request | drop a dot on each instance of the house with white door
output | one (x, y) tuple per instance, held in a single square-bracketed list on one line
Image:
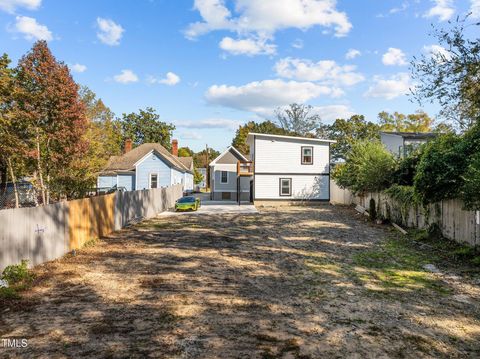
[(287, 168)]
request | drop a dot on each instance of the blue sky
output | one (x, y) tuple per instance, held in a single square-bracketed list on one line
[(209, 65)]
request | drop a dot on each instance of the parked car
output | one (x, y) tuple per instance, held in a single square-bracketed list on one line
[(188, 203), (26, 194)]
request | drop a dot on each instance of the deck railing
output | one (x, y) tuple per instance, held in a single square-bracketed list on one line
[(245, 168)]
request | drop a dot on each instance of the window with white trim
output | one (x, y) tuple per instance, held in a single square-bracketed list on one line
[(307, 155), (285, 187), (153, 180), (224, 177)]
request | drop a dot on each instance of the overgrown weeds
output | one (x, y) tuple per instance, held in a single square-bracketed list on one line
[(18, 277)]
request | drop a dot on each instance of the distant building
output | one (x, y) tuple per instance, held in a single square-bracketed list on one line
[(203, 183), (149, 165), (402, 143)]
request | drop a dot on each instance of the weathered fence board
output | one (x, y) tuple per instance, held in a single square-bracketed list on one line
[(40, 234), (455, 223)]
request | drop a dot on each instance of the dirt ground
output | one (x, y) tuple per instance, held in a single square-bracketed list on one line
[(285, 283)]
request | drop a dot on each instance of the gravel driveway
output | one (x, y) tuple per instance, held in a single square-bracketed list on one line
[(291, 282)]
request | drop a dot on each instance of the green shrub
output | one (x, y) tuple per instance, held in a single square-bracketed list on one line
[(440, 170), (368, 168), (471, 186), (18, 273), (406, 169)]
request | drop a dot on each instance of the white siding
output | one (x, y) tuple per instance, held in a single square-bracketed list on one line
[(306, 187), (188, 180), (284, 156)]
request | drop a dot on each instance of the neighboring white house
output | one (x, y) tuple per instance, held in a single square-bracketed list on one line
[(149, 165), (225, 184), (289, 168), (402, 143)]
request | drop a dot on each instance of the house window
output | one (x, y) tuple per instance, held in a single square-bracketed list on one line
[(285, 186), (224, 178), (307, 155), (153, 180)]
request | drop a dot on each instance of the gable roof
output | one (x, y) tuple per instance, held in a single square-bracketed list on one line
[(229, 149), (251, 134), (127, 161), (187, 162)]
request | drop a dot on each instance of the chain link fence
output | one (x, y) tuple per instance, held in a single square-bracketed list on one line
[(27, 195)]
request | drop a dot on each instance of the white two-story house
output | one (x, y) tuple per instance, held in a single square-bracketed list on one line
[(287, 168)]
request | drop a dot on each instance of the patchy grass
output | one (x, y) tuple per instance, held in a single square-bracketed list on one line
[(397, 265)]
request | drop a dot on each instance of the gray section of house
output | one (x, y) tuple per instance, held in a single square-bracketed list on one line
[(41, 234), (228, 191), (393, 143), (398, 143), (230, 158)]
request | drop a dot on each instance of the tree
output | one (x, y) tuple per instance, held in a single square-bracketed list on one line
[(197, 176), (439, 172), (240, 139), (50, 103), (200, 158), (416, 122), (297, 118), (185, 152), (346, 133), (146, 127), (368, 167), (451, 75), (12, 148)]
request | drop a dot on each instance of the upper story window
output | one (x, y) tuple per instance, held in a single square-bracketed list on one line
[(307, 155), (224, 178), (153, 180)]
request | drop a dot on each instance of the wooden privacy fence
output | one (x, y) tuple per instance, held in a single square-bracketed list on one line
[(455, 223), (40, 234)]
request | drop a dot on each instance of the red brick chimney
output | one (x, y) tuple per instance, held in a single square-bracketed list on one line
[(175, 148), (128, 145)]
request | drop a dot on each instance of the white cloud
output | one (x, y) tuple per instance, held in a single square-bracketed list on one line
[(171, 79), (31, 29), (78, 68), (248, 46), (125, 77), (475, 9), (297, 44), (326, 71), (190, 135), (261, 19), (11, 5), (352, 53), (261, 96), (390, 88), (331, 112), (210, 123), (394, 57), (109, 32), (443, 9), (437, 52)]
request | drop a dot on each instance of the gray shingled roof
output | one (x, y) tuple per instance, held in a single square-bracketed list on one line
[(187, 162), (127, 161)]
